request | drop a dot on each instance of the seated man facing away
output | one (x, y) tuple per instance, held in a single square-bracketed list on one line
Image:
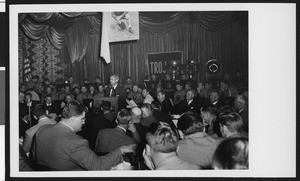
[(40, 113), (232, 153), (196, 147), (58, 147), (231, 125), (160, 152), (110, 139), (241, 105)]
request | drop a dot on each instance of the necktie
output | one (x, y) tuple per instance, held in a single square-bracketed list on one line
[(112, 92), (29, 115)]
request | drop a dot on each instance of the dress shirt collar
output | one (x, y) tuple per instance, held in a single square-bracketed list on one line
[(67, 126), (214, 103), (29, 104), (48, 104), (122, 128), (189, 101)]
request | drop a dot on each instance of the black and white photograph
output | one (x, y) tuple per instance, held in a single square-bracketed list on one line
[(128, 90)]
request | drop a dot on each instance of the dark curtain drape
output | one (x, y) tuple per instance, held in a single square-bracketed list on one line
[(205, 35), (37, 25), (202, 35)]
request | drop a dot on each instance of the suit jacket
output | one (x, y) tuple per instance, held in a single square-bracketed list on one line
[(25, 108), (217, 105), (183, 106), (162, 117), (245, 118), (148, 121), (198, 148), (60, 148), (121, 93), (94, 124), (111, 139), (52, 109), (166, 106), (31, 132)]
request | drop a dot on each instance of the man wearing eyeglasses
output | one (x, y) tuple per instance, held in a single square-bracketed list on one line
[(58, 147)]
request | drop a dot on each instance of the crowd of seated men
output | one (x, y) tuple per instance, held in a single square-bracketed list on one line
[(188, 127)]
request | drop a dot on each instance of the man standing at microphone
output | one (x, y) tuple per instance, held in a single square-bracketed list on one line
[(117, 90)]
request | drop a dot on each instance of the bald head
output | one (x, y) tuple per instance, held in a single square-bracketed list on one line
[(136, 113)]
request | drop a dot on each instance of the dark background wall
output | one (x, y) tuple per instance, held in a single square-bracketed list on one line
[(228, 44)]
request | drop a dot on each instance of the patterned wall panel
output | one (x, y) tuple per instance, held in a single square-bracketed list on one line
[(44, 58)]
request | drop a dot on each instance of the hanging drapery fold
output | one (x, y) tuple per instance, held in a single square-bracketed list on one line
[(32, 30), (77, 39), (72, 14), (214, 20), (161, 22), (40, 17), (57, 39)]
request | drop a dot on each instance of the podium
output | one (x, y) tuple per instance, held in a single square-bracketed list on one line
[(112, 100)]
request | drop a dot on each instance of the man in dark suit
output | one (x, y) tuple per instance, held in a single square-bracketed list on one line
[(107, 113), (116, 90), (28, 107), (190, 104), (214, 100), (165, 103), (241, 104), (71, 151), (95, 123), (51, 109), (110, 139)]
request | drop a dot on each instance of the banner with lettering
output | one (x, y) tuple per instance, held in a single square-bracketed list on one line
[(159, 63)]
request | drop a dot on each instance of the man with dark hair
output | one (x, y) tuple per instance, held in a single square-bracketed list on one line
[(135, 95), (58, 147), (106, 109), (166, 106), (224, 89), (51, 109), (160, 116), (83, 94), (231, 125), (179, 95), (214, 100), (231, 154), (190, 104), (28, 107), (64, 92), (147, 96), (97, 122), (160, 152), (110, 139), (196, 147), (40, 113), (128, 83)]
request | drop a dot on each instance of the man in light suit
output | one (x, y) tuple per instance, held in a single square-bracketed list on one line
[(40, 113), (58, 147)]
